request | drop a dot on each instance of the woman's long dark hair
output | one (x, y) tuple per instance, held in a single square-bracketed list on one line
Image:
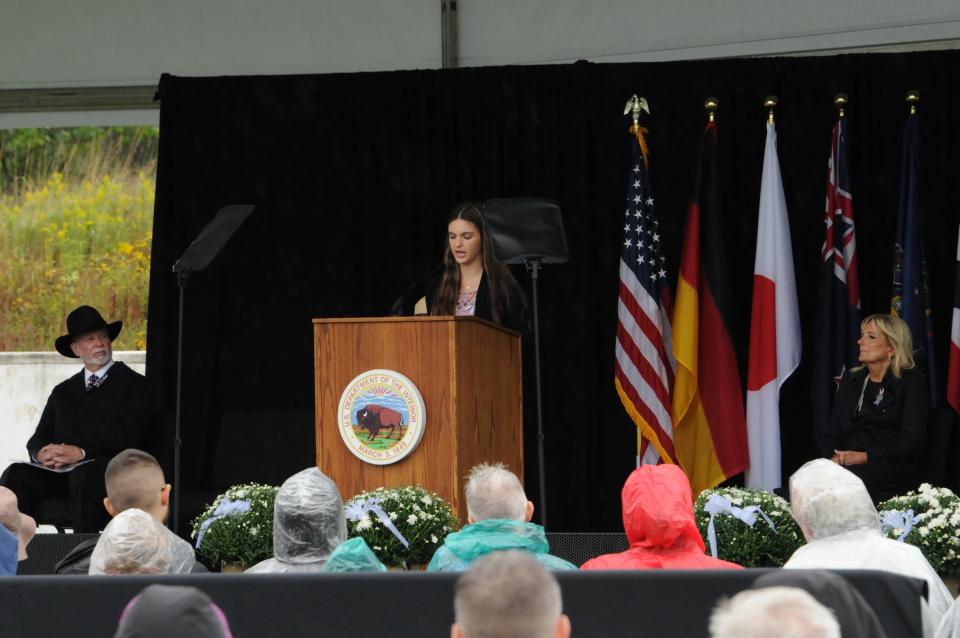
[(506, 296)]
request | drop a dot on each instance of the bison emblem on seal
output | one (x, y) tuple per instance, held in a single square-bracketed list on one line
[(374, 418)]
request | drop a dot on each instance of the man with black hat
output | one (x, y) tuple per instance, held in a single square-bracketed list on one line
[(91, 417)]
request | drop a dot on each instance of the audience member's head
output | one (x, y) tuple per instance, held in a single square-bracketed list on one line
[(23, 527), (785, 612), (134, 479), (508, 595), (494, 492), (132, 543), (308, 519), (828, 499), (658, 505), (853, 612), (163, 610)]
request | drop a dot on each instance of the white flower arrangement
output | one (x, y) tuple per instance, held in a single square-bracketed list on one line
[(929, 519), (238, 526), (768, 542), (402, 525)]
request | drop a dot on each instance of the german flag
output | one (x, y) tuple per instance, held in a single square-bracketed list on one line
[(710, 432)]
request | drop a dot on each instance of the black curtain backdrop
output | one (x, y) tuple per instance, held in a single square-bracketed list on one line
[(353, 176)]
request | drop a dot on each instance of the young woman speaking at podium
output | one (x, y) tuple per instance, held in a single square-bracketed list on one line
[(472, 283)]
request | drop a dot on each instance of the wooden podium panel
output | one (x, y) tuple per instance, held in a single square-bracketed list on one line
[(469, 374)]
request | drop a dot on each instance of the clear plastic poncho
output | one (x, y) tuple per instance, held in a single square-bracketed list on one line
[(132, 543), (950, 625), (183, 558), (837, 516), (828, 500), (308, 523)]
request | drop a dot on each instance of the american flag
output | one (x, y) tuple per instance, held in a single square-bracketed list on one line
[(644, 360)]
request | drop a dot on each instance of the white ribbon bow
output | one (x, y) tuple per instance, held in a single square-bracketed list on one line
[(358, 509), (717, 504), (225, 508), (895, 519)]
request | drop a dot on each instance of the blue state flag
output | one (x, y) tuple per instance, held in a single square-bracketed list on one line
[(910, 299)]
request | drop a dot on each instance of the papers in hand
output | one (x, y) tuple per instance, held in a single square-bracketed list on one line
[(58, 470)]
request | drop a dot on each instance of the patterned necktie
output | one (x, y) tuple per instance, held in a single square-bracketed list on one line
[(92, 382)]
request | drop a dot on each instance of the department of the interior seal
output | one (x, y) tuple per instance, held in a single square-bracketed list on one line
[(381, 416)]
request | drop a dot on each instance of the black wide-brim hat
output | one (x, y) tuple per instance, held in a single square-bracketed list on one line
[(81, 321)]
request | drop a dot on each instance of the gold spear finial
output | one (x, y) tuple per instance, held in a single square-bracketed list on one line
[(769, 103), (913, 98), (711, 104), (840, 100)]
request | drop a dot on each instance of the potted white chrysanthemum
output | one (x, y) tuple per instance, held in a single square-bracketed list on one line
[(750, 527), (236, 530), (402, 525), (929, 519)]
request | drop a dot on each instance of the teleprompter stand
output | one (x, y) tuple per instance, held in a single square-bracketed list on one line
[(529, 231), (199, 254)]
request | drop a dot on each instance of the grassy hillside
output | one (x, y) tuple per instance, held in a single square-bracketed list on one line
[(76, 211)]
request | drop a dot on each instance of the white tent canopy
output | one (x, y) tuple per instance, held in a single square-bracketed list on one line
[(129, 43)]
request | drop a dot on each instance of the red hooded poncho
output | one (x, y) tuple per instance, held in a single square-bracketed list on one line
[(658, 520)]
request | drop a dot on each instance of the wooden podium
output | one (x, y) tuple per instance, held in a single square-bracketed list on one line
[(468, 372)]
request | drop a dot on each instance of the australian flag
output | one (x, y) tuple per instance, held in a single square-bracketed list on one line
[(838, 308), (910, 299)]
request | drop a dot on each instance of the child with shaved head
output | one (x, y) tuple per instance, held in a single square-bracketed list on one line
[(135, 480)]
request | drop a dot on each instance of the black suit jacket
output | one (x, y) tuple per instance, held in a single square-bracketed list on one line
[(103, 421), (891, 431)]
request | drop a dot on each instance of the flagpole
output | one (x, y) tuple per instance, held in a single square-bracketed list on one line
[(644, 373), (837, 323), (910, 298), (633, 107), (774, 320), (703, 301)]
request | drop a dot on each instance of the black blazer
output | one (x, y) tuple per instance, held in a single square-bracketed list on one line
[(103, 421), (891, 431)]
